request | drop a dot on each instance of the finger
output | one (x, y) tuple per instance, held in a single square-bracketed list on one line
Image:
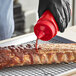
[(66, 12), (58, 15), (42, 6), (63, 14), (69, 10)]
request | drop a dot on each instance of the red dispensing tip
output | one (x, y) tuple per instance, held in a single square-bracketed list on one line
[(46, 27)]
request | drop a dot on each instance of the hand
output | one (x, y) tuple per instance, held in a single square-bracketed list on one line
[(60, 10)]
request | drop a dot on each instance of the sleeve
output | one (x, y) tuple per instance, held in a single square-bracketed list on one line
[(6, 19)]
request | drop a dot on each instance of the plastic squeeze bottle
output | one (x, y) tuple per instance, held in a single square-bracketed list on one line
[(46, 27)]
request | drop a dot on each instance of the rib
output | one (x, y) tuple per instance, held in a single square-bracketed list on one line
[(47, 54)]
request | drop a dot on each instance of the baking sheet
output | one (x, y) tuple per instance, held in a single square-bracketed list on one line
[(37, 70)]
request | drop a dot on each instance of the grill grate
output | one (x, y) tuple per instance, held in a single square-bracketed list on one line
[(41, 70)]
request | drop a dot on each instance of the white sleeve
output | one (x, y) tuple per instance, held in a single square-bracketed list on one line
[(6, 19)]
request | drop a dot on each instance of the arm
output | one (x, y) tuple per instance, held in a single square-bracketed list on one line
[(6, 19)]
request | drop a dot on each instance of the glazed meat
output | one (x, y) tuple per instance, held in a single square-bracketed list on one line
[(47, 54)]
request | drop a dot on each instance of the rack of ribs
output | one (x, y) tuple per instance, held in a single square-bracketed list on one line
[(20, 55)]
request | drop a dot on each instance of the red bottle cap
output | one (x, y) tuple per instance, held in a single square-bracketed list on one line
[(46, 27)]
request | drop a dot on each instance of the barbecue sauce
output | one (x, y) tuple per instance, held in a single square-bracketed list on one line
[(19, 52), (36, 45)]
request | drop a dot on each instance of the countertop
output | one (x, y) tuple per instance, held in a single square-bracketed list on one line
[(70, 33)]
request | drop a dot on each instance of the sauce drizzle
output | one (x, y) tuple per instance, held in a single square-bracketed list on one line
[(36, 45)]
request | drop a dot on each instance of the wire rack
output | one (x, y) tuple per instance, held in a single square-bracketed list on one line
[(40, 70)]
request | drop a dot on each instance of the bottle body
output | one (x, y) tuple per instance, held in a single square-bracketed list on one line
[(46, 27)]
